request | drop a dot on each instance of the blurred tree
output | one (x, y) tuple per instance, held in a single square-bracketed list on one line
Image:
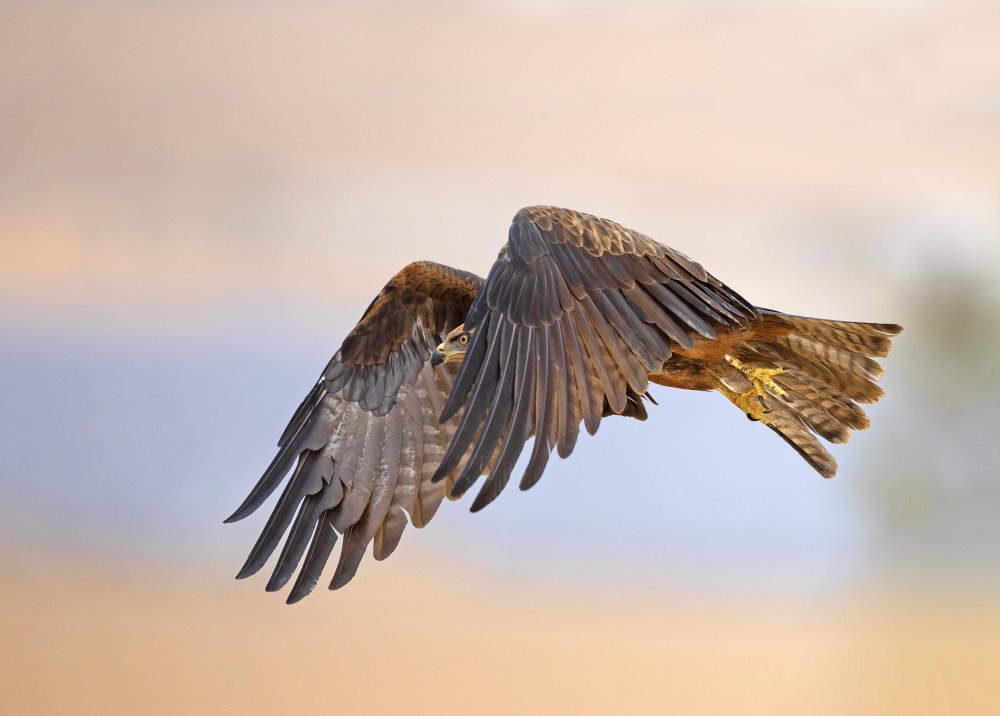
[(934, 485)]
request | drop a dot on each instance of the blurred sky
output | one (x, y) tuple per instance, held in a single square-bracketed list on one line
[(198, 199)]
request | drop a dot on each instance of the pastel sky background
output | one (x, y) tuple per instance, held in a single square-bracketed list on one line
[(198, 199)]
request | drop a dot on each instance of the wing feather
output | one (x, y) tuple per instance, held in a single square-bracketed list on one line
[(678, 308), (611, 383), (496, 413), (598, 313), (543, 415), (405, 490), (380, 481), (323, 541), (643, 304), (517, 428), (588, 383)]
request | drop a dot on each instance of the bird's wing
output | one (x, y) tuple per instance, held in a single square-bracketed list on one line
[(575, 311), (367, 438)]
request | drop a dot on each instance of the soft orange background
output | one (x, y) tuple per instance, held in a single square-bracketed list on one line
[(198, 199)]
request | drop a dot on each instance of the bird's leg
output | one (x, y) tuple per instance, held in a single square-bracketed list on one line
[(752, 401)]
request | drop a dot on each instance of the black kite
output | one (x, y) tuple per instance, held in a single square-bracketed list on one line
[(447, 376)]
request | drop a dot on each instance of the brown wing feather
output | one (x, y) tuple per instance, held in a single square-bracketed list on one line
[(367, 438), (603, 306)]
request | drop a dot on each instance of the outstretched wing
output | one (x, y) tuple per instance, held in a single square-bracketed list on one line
[(367, 437), (575, 311)]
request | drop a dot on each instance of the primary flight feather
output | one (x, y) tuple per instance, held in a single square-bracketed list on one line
[(447, 376)]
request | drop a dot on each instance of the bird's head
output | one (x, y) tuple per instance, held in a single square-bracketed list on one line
[(454, 347)]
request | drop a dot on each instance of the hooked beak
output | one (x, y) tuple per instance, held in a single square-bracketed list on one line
[(437, 357)]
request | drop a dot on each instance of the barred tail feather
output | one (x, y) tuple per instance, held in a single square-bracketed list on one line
[(829, 368), (790, 426)]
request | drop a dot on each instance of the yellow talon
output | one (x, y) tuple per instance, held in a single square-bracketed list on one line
[(752, 402)]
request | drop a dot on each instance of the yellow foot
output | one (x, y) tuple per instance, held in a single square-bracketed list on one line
[(753, 401)]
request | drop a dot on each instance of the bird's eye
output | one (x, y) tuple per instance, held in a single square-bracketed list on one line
[(463, 339)]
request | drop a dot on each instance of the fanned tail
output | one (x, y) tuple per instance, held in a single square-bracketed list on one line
[(828, 369)]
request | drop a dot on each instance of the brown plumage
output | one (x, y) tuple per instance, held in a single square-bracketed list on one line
[(577, 316)]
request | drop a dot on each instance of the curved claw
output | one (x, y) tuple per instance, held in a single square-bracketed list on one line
[(762, 380)]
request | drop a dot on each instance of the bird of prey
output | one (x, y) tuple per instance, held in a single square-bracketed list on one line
[(447, 376)]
